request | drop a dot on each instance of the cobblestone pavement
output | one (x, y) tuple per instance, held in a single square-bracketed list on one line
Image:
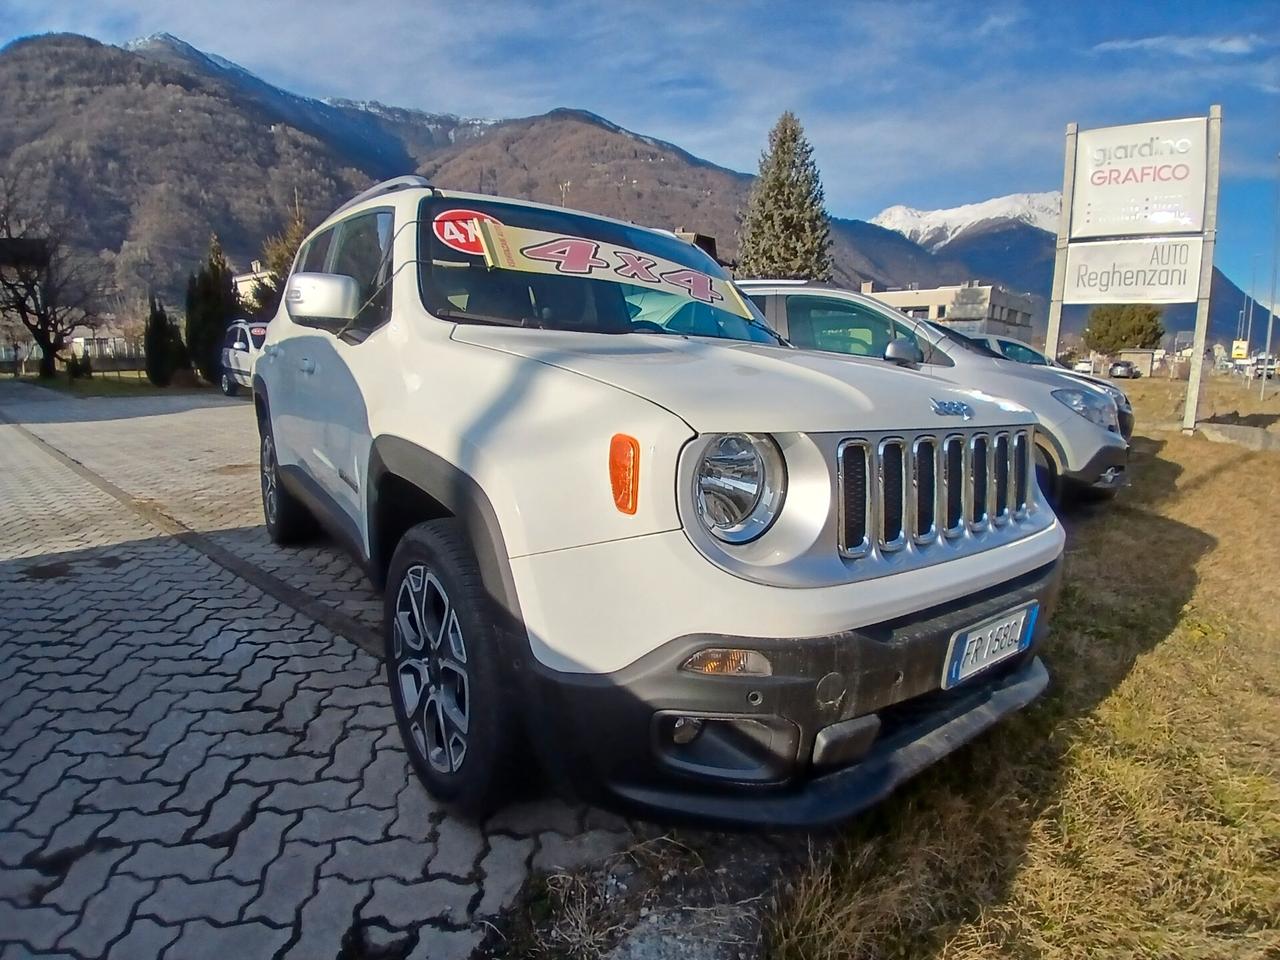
[(190, 768)]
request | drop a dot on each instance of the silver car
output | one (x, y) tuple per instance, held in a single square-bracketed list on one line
[(1079, 445), (241, 347)]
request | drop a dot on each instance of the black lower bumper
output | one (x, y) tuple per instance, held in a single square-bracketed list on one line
[(1106, 470), (842, 720)]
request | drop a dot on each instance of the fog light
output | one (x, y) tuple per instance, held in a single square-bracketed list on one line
[(724, 662), (685, 729)]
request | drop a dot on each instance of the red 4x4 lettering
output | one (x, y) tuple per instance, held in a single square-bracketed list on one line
[(569, 254), (698, 284)]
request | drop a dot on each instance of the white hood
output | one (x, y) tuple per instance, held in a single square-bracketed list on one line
[(726, 386)]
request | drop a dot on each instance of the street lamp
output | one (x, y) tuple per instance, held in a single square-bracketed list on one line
[(1271, 314)]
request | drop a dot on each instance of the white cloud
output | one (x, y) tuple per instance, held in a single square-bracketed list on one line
[(1189, 46)]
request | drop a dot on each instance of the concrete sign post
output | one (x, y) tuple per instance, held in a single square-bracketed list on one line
[(1139, 221)]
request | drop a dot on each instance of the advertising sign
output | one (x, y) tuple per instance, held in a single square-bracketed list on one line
[(1140, 179), (1150, 270), (1239, 349)]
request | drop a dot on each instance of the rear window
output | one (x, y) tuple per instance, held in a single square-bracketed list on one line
[(258, 335)]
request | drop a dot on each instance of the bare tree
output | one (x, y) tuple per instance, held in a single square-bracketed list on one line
[(46, 284)]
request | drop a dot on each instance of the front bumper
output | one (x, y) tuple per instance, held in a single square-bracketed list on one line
[(1106, 470), (842, 721)]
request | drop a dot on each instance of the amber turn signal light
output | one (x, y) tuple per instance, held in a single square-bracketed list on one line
[(624, 472)]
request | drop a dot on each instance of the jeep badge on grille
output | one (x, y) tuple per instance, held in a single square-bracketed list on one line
[(952, 408)]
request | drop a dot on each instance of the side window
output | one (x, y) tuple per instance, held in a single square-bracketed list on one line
[(364, 254), (760, 300), (1016, 351), (229, 341), (841, 326), (316, 253)]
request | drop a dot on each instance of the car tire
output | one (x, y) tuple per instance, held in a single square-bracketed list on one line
[(451, 689), (287, 519), (228, 385)]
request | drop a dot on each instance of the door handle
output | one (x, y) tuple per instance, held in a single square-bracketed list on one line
[(307, 366)]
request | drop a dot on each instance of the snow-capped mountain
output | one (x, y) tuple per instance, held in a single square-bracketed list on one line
[(934, 229)]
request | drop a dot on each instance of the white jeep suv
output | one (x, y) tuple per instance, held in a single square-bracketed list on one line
[(700, 573)]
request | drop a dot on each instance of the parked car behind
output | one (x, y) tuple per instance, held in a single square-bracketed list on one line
[(1079, 446), (241, 348), (1125, 370), (617, 518), (1022, 352)]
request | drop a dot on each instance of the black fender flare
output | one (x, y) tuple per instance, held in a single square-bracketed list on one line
[(458, 493)]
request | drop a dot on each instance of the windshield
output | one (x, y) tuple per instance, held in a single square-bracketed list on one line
[(968, 343), (486, 261)]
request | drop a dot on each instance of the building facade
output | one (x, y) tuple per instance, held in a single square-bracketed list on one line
[(971, 307)]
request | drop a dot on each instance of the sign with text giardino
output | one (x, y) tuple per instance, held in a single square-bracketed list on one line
[(1140, 179)]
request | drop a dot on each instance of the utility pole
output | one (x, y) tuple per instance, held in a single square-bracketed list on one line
[(1267, 358), (1253, 295), (1060, 252)]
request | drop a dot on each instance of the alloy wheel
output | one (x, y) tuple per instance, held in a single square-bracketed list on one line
[(269, 478), (430, 669)]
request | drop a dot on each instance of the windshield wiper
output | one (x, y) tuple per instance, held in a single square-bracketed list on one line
[(463, 317), (782, 341)]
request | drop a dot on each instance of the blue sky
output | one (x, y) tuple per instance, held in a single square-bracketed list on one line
[(923, 103)]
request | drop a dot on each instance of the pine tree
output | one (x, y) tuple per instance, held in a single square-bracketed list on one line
[(158, 343), (786, 232), (1114, 327), (211, 306), (277, 256)]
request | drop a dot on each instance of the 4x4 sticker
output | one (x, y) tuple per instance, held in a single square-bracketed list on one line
[(537, 251), (456, 229)]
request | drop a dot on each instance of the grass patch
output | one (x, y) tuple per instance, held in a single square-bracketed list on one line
[(1135, 812), (126, 383)]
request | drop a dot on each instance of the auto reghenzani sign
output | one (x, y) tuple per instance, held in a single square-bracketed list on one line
[(1149, 270), (1141, 179)]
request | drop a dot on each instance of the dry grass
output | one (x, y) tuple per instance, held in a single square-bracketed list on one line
[(1135, 812), (1161, 401)]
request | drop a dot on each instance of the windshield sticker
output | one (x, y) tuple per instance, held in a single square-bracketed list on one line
[(456, 229), (537, 251)]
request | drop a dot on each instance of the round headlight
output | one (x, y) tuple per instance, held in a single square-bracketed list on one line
[(738, 486)]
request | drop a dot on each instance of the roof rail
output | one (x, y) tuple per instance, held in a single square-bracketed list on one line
[(407, 182)]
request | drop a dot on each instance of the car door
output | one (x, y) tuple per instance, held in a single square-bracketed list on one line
[(329, 386), (229, 352), (240, 355), (283, 364)]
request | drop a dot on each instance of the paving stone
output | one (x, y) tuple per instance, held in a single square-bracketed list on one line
[(458, 844), (557, 852), (288, 882), (384, 778), (176, 900), (324, 731), (144, 797), (183, 758), (53, 808), (407, 904), (322, 794), (415, 809), (327, 918), (38, 926), (87, 875), (132, 827), (192, 861), (504, 870), (436, 944), (354, 860), (535, 816), (358, 823), (145, 938), (106, 916), (74, 832), (301, 768), (256, 846), (230, 810), (350, 757), (201, 940), (20, 885)]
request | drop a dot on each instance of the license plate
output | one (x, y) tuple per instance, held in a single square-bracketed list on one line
[(977, 648)]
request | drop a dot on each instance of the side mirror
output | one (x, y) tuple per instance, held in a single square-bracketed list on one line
[(242, 346), (322, 299), (904, 352)]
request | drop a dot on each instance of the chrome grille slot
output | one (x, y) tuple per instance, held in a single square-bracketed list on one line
[(855, 498), (1000, 459), (954, 484), (924, 480), (979, 478), (919, 498), (1021, 472), (892, 494)]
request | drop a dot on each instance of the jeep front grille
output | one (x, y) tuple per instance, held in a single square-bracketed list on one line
[(920, 489)]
